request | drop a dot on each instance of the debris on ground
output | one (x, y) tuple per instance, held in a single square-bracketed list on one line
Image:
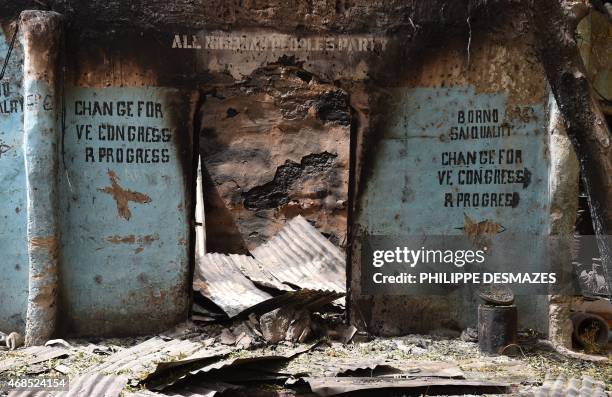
[(297, 267), (270, 325), (30, 356), (561, 386), (157, 355), (192, 358), (11, 341), (218, 278), (469, 335), (287, 323), (98, 385), (331, 386)]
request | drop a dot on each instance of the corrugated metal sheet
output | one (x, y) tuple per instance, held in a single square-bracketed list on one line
[(317, 366), (336, 366), (300, 256), (331, 386), (254, 357), (561, 386), (308, 298), (156, 355), (145, 393), (340, 366), (257, 272), (223, 280), (90, 385), (219, 278), (259, 357), (201, 389), (32, 355)]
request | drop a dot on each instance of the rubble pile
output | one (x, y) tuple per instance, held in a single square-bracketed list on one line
[(273, 296)]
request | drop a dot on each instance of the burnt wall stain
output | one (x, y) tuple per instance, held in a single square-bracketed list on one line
[(231, 112), (333, 107), (267, 155), (97, 16), (129, 239), (304, 76), (477, 230), (226, 237), (276, 192)]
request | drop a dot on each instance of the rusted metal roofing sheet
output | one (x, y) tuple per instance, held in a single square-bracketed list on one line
[(300, 256), (257, 272), (90, 385), (422, 368), (251, 357), (561, 386), (32, 355), (336, 366), (224, 279), (219, 278), (145, 393), (308, 299), (331, 386), (255, 357), (315, 366), (201, 389), (156, 355)]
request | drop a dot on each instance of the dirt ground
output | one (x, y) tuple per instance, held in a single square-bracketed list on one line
[(525, 367)]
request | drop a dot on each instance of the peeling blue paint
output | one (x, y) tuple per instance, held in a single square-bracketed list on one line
[(41, 30), (13, 241), (40, 151)]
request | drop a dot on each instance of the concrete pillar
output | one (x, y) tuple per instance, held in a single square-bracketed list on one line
[(40, 34), (564, 174)]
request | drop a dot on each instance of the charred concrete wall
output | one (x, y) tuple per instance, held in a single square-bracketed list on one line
[(399, 194), (289, 105), (274, 146), (596, 50), (119, 175)]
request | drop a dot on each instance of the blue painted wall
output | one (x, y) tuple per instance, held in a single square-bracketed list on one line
[(13, 241), (403, 195), (124, 210)]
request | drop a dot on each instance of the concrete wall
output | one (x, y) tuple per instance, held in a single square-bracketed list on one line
[(596, 49), (126, 192), (274, 147), (284, 103), (13, 242), (400, 193)]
